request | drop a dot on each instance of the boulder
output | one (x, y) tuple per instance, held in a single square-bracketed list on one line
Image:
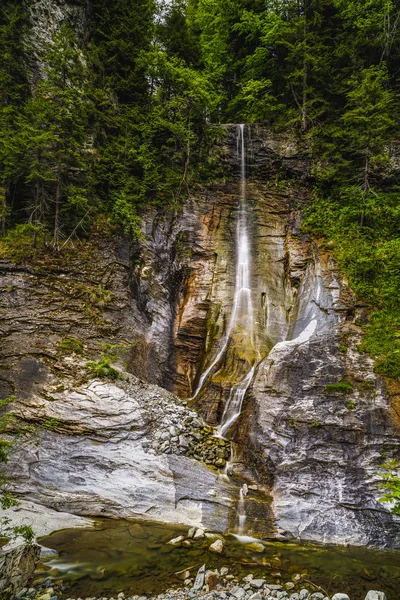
[(375, 595)]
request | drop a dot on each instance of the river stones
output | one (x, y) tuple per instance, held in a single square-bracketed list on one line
[(176, 541), (200, 577), (374, 595), (217, 547), (339, 597)]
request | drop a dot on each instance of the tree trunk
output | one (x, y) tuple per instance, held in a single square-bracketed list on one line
[(304, 120), (56, 237), (365, 189)]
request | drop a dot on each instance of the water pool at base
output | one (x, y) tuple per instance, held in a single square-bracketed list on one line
[(134, 557)]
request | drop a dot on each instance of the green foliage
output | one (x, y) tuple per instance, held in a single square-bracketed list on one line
[(7, 530), (71, 345), (51, 423), (351, 405), (341, 387), (391, 485), (103, 368)]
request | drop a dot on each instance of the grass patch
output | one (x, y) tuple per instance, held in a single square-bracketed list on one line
[(71, 345), (341, 387)]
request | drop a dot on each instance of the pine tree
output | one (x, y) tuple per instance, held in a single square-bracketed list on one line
[(53, 130), (13, 92)]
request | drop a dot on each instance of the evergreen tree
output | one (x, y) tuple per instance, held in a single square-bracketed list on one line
[(13, 92), (53, 130)]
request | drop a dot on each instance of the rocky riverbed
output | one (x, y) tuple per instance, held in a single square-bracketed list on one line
[(210, 585)]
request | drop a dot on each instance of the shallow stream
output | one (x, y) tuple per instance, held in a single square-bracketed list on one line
[(134, 557)]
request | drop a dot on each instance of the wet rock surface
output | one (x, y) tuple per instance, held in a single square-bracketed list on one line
[(322, 446)]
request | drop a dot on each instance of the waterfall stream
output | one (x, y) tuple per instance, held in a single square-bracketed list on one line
[(241, 324), (242, 316)]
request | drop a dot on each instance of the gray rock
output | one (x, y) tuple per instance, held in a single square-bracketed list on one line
[(304, 594), (199, 581), (257, 583), (295, 597), (375, 595), (183, 441), (256, 596), (340, 597), (176, 541), (317, 596), (239, 593)]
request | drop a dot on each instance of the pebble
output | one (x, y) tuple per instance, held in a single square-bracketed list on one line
[(217, 546), (199, 534), (238, 593), (339, 597), (176, 541), (375, 595), (257, 583), (212, 580)]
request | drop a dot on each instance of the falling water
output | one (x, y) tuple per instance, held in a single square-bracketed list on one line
[(242, 315), (242, 510)]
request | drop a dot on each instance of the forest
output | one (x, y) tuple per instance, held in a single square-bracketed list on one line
[(98, 128)]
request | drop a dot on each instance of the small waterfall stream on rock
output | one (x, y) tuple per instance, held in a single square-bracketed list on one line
[(242, 319), (242, 315)]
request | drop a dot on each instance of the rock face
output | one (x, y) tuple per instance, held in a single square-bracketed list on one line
[(322, 446), (118, 449), (318, 447), (94, 459), (17, 565), (47, 16)]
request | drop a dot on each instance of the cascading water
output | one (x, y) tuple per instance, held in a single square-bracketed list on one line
[(242, 316), (242, 509)]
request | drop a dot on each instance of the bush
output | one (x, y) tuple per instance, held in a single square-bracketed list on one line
[(103, 368), (391, 485), (71, 345), (342, 387)]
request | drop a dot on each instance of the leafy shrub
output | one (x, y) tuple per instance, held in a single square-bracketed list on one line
[(391, 485), (341, 387), (71, 345), (103, 368)]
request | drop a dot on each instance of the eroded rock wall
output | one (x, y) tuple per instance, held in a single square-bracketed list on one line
[(168, 300)]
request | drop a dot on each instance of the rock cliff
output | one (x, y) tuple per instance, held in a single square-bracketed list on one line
[(166, 302)]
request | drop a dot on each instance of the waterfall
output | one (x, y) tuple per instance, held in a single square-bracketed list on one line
[(242, 509), (242, 315)]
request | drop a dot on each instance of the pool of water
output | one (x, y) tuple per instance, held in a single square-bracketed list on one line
[(134, 557)]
